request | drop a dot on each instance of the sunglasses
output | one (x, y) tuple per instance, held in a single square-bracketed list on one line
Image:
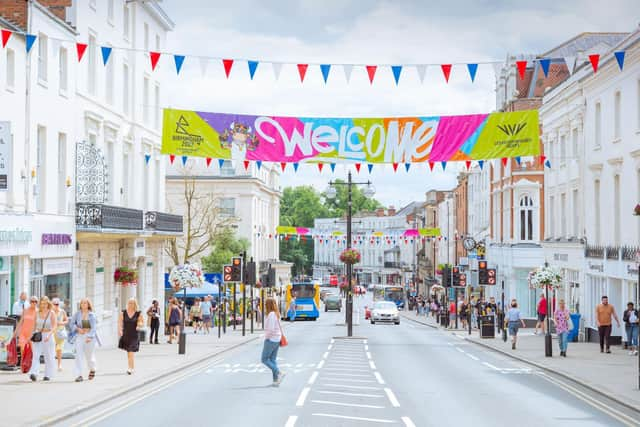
[(33, 301), (56, 303)]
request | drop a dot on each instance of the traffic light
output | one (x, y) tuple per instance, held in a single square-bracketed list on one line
[(491, 276), (226, 273), (455, 276), (236, 269), (271, 275), (249, 273), (483, 275), (462, 282)]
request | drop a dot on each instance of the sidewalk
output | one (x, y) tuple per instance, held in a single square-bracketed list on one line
[(615, 374), (28, 403)]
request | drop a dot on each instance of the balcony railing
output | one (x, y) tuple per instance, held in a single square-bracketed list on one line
[(160, 221), (93, 217), (629, 253), (391, 264), (613, 252), (594, 251)]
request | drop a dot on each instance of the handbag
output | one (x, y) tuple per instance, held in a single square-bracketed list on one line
[(283, 339), (37, 335)]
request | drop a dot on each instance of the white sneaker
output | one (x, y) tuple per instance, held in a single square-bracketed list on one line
[(631, 353), (280, 377), (635, 353)]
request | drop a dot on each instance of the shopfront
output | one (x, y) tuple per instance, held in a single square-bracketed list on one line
[(5, 285), (16, 241)]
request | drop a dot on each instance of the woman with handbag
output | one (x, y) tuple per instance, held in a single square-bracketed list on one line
[(562, 320), (273, 340), (43, 340), (84, 328), (175, 317), (129, 322), (61, 330), (153, 314), (24, 328)]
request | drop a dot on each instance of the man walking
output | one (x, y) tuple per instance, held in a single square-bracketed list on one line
[(205, 308), (542, 315), (604, 313), (20, 305)]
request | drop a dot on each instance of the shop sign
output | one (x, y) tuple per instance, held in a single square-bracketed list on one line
[(632, 271), (52, 266), (15, 235), (5, 155), (596, 267), (56, 239), (561, 257)]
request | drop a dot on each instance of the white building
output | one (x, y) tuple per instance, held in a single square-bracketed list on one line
[(445, 246), (478, 212)]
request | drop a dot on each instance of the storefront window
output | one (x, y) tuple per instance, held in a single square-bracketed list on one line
[(526, 296), (59, 286)]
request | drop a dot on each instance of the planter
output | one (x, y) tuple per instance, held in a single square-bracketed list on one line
[(126, 276), (350, 256)]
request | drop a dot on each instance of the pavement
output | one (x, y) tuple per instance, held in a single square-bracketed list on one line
[(62, 396), (614, 375)]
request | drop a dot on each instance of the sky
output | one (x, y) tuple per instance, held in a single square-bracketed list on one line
[(368, 32)]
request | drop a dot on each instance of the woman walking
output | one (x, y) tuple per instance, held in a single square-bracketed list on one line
[(61, 330), (129, 322), (83, 328), (561, 318), (175, 315), (43, 341), (272, 337), (153, 314), (631, 323), (514, 320), (26, 325), (196, 315)]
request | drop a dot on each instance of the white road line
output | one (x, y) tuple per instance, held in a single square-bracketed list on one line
[(350, 375), (472, 356), (291, 421), (379, 377), (345, 417), (354, 359), (372, 365), (313, 377), (354, 405), (348, 380), (368, 355), (360, 387), (489, 365), (366, 348), (326, 353), (392, 398), (410, 325), (330, 346), (332, 340), (407, 422), (321, 364), (460, 350), (346, 369), (342, 393), (303, 396)]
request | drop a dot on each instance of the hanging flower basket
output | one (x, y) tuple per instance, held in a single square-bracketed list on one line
[(350, 256), (186, 276), (126, 276), (636, 210), (545, 277)]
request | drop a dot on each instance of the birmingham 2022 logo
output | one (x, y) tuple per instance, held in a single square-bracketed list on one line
[(511, 131)]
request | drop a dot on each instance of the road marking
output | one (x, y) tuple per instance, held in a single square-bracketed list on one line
[(346, 369), (342, 393), (208, 371), (332, 340), (407, 422), (379, 377), (354, 359), (345, 417), (321, 364), (291, 421), (472, 356), (392, 398), (355, 405), (410, 325), (313, 377), (460, 350), (361, 387), (351, 375), (326, 353), (368, 355), (349, 380), (330, 346), (303, 396), (372, 365), (366, 348), (489, 365)]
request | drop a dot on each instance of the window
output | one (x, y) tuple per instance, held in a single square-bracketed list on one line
[(145, 101), (616, 115), (146, 171), (616, 210), (110, 11), (552, 218), (157, 43), (11, 68), (526, 218), (156, 107), (124, 189), (598, 126), (158, 181), (227, 206), (111, 160), (41, 171), (125, 89), (563, 149), (126, 22), (42, 57), (109, 82), (146, 37), (62, 173), (91, 61), (563, 215), (596, 217), (63, 70), (576, 213), (638, 104), (574, 144)]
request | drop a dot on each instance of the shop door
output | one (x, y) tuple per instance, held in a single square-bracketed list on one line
[(5, 295), (37, 286)]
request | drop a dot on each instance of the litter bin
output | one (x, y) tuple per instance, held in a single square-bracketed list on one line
[(573, 334), (487, 326), (142, 335), (443, 319)]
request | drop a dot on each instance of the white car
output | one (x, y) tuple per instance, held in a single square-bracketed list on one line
[(385, 311)]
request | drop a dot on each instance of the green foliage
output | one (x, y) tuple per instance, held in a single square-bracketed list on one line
[(225, 246), (359, 202)]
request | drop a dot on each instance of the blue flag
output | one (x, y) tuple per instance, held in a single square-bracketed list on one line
[(106, 52), (253, 66), (147, 157), (259, 164), (370, 167), (397, 69), (444, 165), (620, 58), (548, 164), (407, 166), (544, 63), (518, 159), (333, 167), (325, 68), (295, 167), (481, 163), (473, 69), (30, 39), (179, 59), (184, 160), (220, 162)]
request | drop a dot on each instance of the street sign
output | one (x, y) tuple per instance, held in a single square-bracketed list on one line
[(463, 260), (491, 276), (227, 271)]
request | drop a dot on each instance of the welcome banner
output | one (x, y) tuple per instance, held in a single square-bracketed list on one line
[(350, 140)]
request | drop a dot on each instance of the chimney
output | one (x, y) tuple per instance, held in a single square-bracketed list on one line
[(391, 211), (14, 11), (380, 212), (57, 7)]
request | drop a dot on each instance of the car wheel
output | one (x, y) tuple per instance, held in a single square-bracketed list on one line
[(397, 323), (372, 322)]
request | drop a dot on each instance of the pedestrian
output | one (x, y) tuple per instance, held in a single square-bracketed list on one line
[(26, 324), (464, 310), (196, 315), (20, 305), (514, 320), (60, 335), (542, 315), (206, 310), (175, 315), (85, 337), (272, 337), (492, 307), (561, 319), (631, 319), (604, 313), (43, 340), (129, 322), (291, 313), (452, 314), (153, 314), (473, 318)]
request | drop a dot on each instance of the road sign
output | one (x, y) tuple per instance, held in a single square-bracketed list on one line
[(227, 273), (463, 260), (491, 276)]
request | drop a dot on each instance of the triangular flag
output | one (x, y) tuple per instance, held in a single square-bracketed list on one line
[(220, 162), (407, 166), (570, 61), (204, 64), (227, 63), (422, 71), (147, 157), (30, 40), (548, 164), (431, 166), (370, 167), (396, 70), (302, 71), (208, 160), (446, 71), (395, 167), (544, 63), (473, 69), (320, 165), (155, 57), (253, 66), (467, 163), (259, 164), (522, 67), (246, 165), (595, 58), (358, 167), (444, 165), (620, 58), (80, 49), (325, 68), (504, 162), (371, 71), (184, 160), (518, 160), (542, 159), (106, 53), (283, 166), (481, 164), (295, 167), (178, 59), (277, 69), (172, 157), (6, 34), (347, 71), (333, 167)]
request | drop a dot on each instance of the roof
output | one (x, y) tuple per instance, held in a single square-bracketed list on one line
[(9, 25), (583, 42), (410, 208)]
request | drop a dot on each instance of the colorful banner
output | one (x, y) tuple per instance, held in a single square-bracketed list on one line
[(409, 232), (357, 140)]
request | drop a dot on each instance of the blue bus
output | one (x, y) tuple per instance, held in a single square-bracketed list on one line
[(307, 301), (394, 294)]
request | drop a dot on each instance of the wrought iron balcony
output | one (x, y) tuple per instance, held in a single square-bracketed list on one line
[(160, 221), (391, 264), (629, 253), (613, 252), (95, 217), (594, 251)]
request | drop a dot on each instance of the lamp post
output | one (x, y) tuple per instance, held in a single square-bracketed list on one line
[(548, 344), (330, 194)]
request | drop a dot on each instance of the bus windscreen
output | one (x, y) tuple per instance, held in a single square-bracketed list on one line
[(303, 291)]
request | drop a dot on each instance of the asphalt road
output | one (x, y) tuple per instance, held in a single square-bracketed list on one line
[(409, 375)]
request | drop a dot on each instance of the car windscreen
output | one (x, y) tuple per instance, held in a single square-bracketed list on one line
[(384, 306)]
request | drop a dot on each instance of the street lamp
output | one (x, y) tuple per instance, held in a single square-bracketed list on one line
[(331, 193), (548, 344)]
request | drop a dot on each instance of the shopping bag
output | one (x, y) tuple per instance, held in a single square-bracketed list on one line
[(12, 353), (27, 355), (283, 341)]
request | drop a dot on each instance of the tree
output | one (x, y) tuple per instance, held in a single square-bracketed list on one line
[(225, 246), (359, 202)]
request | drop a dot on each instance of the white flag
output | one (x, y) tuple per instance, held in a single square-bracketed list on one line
[(277, 68), (204, 63), (422, 71), (348, 68), (571, 63)]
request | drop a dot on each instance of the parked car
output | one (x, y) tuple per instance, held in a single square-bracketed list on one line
[(385, 311), (325, 292), (332, 302)]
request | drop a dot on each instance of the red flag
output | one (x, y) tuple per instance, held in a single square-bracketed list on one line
[(172, 157), (302, 70), (208, 161), (522, 67), (542, 159), (358, 167), (446, 70), (468, 163), (395, 167), (431, 166), (228, 63), (80, 48), (283, 166), (320, 165), (371, 71), (246, 164), (504, 162), (155, 57), (595, 58), (6, 34)]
